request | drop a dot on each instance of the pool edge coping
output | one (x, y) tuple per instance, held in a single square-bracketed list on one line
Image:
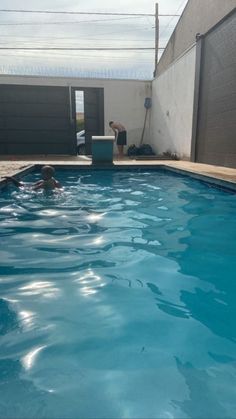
[(208, 179), (17, 174)]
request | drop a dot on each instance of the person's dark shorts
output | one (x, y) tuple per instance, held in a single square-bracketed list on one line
[(122, 138)]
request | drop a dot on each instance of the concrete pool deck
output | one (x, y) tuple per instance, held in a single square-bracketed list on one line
[(15, 165)]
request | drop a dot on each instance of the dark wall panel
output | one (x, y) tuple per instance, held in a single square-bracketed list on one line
[(33, 109), (216, 128), (36, 123), (38, 147), (36, 120), (56, 136), (94, 115), (33, 94)]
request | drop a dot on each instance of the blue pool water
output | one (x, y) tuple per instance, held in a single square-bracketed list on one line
[(118, 298)]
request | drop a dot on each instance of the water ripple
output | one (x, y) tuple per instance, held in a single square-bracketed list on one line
[(122, 287)]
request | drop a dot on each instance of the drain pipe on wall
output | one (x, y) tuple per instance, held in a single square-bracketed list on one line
[(147, 105)]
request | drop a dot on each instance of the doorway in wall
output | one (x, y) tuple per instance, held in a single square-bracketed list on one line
[(88, 105), (79, 113)]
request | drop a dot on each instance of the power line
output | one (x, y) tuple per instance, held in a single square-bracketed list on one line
[(67, 23), (74, 38), (123, 31), (168, 24), (80, 13), (71, 22), (111, 58), (107, 50), (74, 44), (72, 47), (75, 49), (74, 13)]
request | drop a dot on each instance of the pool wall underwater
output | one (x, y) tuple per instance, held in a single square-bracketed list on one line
[(211, 180)]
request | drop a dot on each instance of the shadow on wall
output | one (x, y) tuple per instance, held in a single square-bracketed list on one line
[(172, 111), (161, 137)]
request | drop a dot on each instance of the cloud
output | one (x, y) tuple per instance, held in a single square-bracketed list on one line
[(51, 30)]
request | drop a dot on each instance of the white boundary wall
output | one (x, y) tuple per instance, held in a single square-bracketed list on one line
[(123, 99), (124, 102), (172, 107)]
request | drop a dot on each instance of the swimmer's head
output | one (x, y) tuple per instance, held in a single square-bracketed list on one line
[(47, 172)]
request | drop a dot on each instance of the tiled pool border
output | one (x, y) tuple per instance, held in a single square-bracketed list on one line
[(210, 180)]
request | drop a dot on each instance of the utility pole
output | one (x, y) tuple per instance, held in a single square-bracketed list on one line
[(156, 38)]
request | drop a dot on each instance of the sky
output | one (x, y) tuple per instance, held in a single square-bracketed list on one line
[(36, 30)]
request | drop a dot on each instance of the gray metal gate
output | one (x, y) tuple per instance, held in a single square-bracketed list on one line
[(215, 130), (42, 120), (36, 120), (94, 115)]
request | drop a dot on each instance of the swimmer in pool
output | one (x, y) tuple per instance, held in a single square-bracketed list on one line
[(48, 182)]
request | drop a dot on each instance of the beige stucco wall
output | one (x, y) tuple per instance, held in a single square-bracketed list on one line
[(198, 17)]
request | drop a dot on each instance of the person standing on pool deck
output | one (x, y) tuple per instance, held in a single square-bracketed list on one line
[(120, 136)]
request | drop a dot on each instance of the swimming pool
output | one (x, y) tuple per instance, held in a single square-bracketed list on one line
[(118, 298)]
